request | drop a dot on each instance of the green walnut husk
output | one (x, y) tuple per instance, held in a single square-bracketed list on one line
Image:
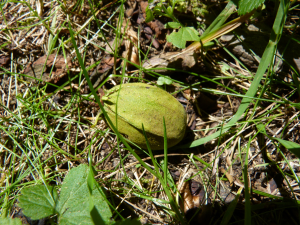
[(137, 104)]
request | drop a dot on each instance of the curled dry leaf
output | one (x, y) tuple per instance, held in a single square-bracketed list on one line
[(192, 198), (40, 7), (131, 43), (175, 60), (228, 175), (192, 195), (107, 64), (132, 6), (149, 35), (186, 202)]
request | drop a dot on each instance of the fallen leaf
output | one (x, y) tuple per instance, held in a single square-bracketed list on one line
[(4, 60), (131, 43), (102, 70), (40, 69), (187, 202), (185, 60)]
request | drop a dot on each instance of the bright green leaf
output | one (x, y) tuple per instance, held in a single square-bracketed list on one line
[(38, 201), (149, 15), (174, 25), (157, 10), (160, 82), (74, 200), (291, 146), (208, 45), (168, 81), (246, 6), (164, 80), (183, 35), (10, 221), (169, 10), (225, 67)]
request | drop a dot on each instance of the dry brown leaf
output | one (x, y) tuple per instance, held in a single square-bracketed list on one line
[(131, 53), (228, 175), (187, 202), (131, 43), (176, 60), (37, 70), (40, 7), (4, 60), (132, 6), (102, 70)]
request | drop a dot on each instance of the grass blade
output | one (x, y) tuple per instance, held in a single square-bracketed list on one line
[(266, 60), (165, 153), (229, 212), (247, 190)]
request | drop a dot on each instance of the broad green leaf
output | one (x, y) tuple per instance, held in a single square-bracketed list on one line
[(225, 67), (169, 10), (174, 25), (10, 221), (149, 15), (157, 10), (164, 80), (246, 6), (90, 185), (74, 202), (38, 201), (291, 146), (183, 35)]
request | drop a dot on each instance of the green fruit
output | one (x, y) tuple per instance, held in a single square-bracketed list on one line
[(138, 104)]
